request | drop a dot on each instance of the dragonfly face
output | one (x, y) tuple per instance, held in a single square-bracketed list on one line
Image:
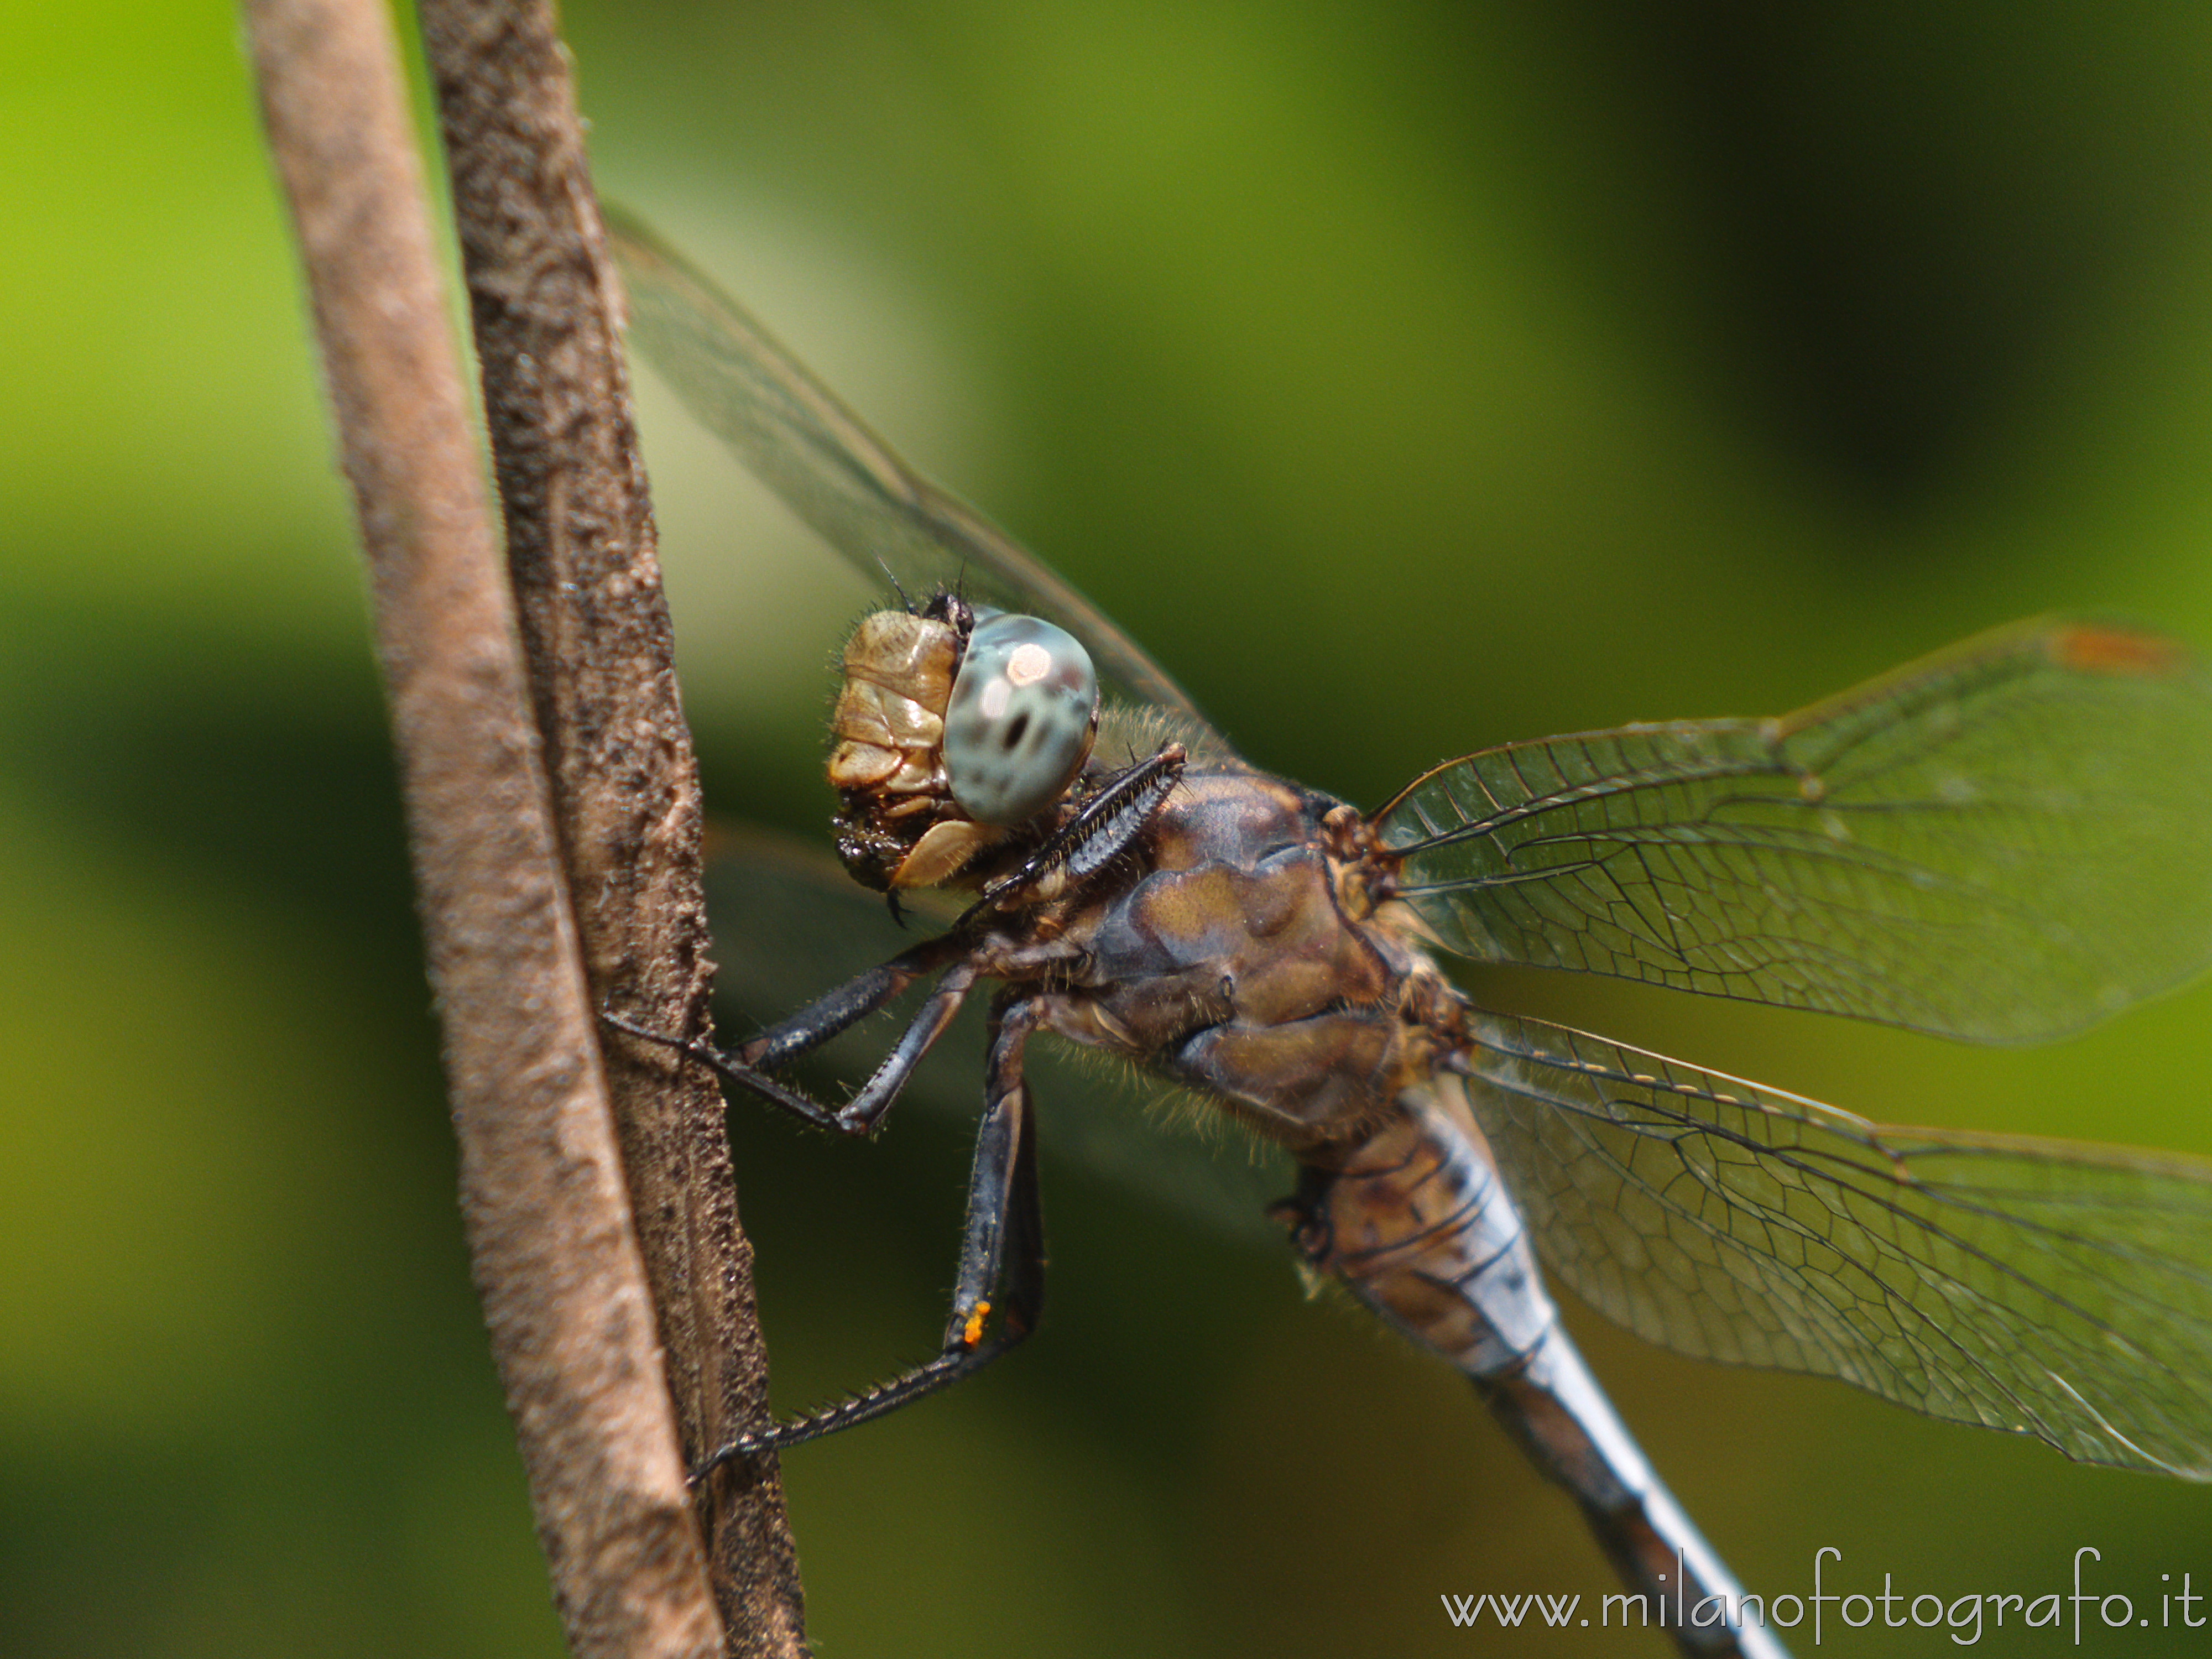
[(2001, 844), (950, 734)]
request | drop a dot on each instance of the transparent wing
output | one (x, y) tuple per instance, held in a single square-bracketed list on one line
[(789, 924), (2039, 1286), (793, 433), (2002, 842)]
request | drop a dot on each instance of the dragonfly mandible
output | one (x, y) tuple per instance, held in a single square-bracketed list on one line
[(2000, 843)]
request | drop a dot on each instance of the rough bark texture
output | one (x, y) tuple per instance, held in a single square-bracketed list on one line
[(581, 556), (548, 1215)]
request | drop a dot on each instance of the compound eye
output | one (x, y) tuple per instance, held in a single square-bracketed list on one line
[(1024, 711)]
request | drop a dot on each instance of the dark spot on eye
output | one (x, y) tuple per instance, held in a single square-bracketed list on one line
[(1015, 731)]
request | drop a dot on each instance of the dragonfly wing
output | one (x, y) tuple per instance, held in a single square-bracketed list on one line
[(844, 482), (2003, 842), (2039, 1286), (790, 924)]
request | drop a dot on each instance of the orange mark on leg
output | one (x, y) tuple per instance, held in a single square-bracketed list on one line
[(972, 1332)]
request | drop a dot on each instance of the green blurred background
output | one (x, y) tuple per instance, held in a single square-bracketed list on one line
[(1409, 377)]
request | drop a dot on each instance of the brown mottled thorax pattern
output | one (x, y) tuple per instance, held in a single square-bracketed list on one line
[(1221, 956)]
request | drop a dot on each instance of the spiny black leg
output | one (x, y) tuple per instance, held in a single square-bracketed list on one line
[(836, 1011), (729, 1069), (1004, 1238), (1002, 1198), (859, 1115), (799, 1033), (1108, 822)]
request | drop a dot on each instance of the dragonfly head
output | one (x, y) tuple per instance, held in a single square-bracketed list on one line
[(953, 731)]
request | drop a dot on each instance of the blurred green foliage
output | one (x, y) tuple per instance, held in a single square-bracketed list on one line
[(1409, 376)]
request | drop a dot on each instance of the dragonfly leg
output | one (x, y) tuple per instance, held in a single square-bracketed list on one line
[(1003, 1239), (836, 1011), (830, 1015), (1108, 822)]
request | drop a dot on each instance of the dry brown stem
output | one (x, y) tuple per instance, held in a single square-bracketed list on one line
[(581, 557), (545, 1196)]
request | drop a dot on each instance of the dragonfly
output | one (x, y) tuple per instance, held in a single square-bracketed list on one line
[(2000, 843)]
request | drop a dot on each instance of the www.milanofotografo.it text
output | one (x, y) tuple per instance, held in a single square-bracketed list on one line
[(2086, 1611)]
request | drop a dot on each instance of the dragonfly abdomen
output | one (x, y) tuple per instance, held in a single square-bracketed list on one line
[(1416, 1222)]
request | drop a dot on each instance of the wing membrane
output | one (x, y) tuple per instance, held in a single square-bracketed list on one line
[(793, 433), (2003, 842), (2039, 1286)]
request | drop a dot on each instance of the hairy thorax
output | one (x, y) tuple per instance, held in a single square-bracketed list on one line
[(1232, 957)]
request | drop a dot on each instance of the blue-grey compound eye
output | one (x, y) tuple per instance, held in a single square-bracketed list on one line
[(1018, 727)]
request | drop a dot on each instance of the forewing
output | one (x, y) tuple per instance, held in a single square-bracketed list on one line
[(2039, 1286), (793, 433), (2003, 842)]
